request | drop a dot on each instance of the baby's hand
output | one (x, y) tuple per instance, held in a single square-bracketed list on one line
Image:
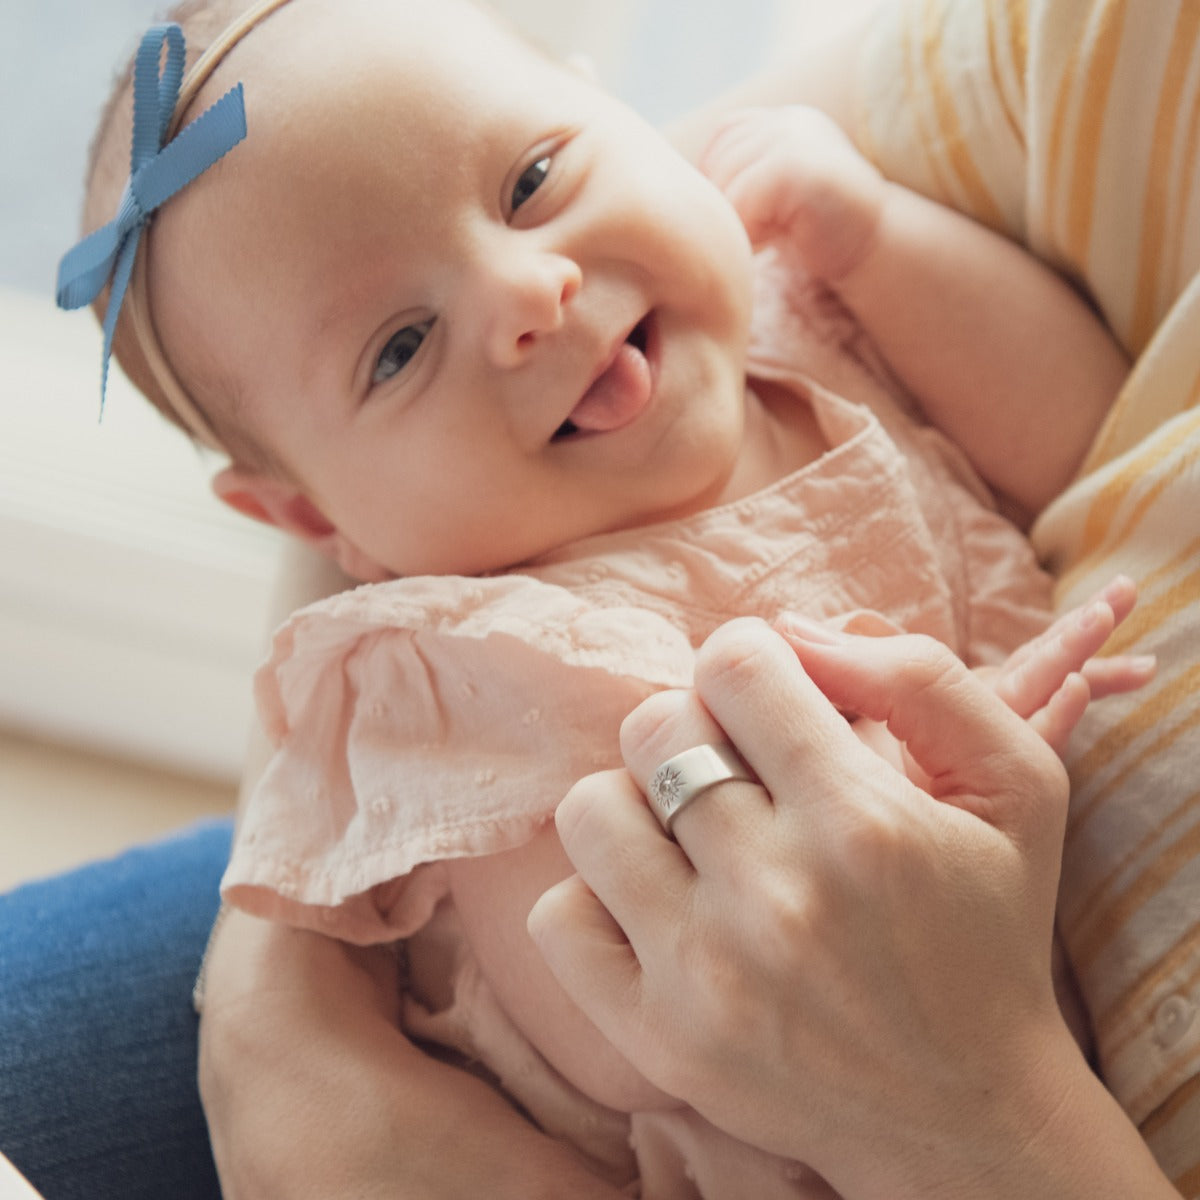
[(1051, 680), (792, 172)]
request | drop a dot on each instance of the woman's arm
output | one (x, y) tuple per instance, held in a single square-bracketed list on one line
[(311, 1091)]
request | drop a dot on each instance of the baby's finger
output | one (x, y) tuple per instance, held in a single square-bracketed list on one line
[(1120, 673), (1062, 712), (1120, 595), (1036, 671)]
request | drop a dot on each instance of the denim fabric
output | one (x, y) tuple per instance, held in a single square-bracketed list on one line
[(98, 1091)]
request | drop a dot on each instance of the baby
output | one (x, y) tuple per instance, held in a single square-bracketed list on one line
[(464, 323)]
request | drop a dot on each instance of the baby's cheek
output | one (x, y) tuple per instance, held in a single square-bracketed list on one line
[(493, 896)]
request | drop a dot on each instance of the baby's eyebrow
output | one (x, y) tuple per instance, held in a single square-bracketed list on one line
[(348, 308)]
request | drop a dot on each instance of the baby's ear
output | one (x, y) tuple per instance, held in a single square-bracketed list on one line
[(271, 501), (274, 502)]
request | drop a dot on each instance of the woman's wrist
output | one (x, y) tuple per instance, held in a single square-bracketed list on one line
[(1045, 1128)]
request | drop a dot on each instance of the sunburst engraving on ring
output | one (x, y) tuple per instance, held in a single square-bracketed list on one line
[(665, 787), (682, 778)]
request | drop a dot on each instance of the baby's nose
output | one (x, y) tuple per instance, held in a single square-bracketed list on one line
[(528, 299)]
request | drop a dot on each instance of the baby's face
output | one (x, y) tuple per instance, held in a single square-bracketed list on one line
[(475, 306)]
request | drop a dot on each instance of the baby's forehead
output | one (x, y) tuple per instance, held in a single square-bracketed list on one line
[(307, 43), (317, 71)]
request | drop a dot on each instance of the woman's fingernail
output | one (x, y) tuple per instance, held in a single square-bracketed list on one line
[(808, 630)]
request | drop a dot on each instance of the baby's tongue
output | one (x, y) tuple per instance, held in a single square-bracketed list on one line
[(617, 396)]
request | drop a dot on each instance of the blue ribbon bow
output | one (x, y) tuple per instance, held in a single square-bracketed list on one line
[(157, 172)]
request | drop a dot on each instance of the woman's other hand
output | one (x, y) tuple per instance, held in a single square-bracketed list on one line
[(311, 1091)]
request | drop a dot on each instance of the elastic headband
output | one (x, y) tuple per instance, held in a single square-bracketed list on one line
[(163, 161)]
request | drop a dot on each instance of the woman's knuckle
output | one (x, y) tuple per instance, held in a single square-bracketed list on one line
[(872, 846), (730, 660), (648, 729), (786, 904), (585, 803)]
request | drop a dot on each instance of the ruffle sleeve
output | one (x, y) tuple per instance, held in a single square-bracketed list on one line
[(428, 719)]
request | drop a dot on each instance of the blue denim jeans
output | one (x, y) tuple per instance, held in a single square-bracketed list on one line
[(98, 1091)]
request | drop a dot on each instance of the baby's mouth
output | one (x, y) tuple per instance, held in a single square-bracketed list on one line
[(618, 394)]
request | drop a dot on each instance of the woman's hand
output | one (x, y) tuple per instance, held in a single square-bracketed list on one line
[(839, 966), (311, 1091)]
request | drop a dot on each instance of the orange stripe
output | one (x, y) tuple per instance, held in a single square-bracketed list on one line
[(1056, 160), (1154, 709), (1187, 175), (1158, 174), (941, 185), (1138, 514), (995, 15), (1136, 998), (1103, 448), (1102, 513), (1178, 1070), (1109, 17), (1018, 39), (1152, 579), (1165, 1112), (979, 200), (1080, 816), (1149, 615), (1153, 614), (1188, 1184), (1091, 904), (1170, 1132), (1175, 858)]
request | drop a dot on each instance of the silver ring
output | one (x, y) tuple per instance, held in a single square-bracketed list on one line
[(682, 778)]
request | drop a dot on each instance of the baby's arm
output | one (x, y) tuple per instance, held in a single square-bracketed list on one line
[(1002, 354)]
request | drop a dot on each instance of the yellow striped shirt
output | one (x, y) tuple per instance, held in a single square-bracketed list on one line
[(1074, 126)]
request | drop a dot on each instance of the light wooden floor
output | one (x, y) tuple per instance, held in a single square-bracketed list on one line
[(61, 806)]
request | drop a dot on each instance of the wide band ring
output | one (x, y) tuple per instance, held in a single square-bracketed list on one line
[(685, 776)]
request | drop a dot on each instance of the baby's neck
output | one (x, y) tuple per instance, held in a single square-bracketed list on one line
[(781, 436)]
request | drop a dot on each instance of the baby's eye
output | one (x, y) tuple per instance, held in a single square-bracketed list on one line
[(531, 179), (401, 346)]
